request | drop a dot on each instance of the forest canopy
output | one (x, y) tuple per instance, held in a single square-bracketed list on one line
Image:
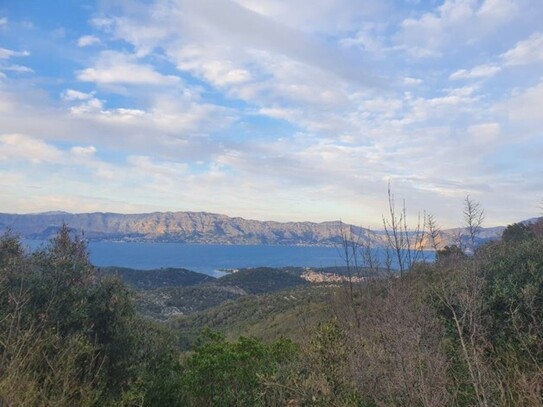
[(464, 330)]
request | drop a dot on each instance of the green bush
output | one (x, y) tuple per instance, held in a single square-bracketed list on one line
[(68, 338), (221, 373)]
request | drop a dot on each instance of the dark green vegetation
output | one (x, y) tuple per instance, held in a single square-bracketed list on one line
[(67, 338), (263, 280), (272, 316), (466, 330), (180, 292), (148, 279)]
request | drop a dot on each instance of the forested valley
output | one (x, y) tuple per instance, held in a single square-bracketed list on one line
[(464, 330)]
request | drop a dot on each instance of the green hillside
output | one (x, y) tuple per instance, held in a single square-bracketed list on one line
[(262, 280), (163, 303), (289, 313), (164, 293), (149, 279), (466, 330)]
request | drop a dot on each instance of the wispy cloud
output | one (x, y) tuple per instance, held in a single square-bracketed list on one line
[(119, 68), (276, 109), (8, 53), (88, 40), (481, 71), (526, 51)]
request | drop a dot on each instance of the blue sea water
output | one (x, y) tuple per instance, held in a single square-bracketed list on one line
[(205, 258), (209, 259)]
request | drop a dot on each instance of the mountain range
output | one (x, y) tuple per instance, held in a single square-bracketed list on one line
[(200, 228)]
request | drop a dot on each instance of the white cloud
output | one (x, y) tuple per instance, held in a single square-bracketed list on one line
[(16, 68), (71, 95), (219, 72), (176, 121), (453, 23), (318, 15), (498, 10), (332, 134), (3, 22), (165, 170), (118, 68), (88, 40), (524, 106), (84, 152), (485, 134), (8, 53), (412, 81), (526, 51), (481, 71), (455, 102), (18, 146), (234, 30), (88, 105)]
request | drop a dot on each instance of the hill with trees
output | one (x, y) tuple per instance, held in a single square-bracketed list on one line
[(465, 330), (206, 228)]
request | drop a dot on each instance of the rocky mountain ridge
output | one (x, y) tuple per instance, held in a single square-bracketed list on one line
[(201, 228), (182, 227)]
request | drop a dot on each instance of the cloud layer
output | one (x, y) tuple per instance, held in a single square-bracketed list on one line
[(271, 109)]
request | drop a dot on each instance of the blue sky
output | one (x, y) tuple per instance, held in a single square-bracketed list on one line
[(272, 109)]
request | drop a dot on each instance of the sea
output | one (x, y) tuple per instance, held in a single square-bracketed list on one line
[(209, 259)]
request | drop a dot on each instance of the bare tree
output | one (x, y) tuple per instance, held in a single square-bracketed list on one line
[(350, 243), (405, 244), (360, 262), (434, 232), (370, 259), (474, 216)]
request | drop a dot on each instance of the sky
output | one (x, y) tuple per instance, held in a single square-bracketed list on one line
[(287, 110)]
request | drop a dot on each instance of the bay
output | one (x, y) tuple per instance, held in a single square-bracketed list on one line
[(211, 259), (208, 259)]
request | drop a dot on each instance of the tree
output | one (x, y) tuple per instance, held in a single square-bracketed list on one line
[(222, 373), (434, 232), (404, 245), (474, 216), (69, 338), (450, 252), (517, 232), (537, 228)]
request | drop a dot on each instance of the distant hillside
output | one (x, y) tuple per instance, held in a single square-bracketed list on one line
[(459, 236), (164, 301), (150, 279), (203, 228), (262, 280), (288, 313), (183, 227)]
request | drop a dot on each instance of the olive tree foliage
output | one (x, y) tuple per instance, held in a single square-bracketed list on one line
[(247, 372), (67, 337), (458, 297), (513, 305), (45, 356), (517, 232)]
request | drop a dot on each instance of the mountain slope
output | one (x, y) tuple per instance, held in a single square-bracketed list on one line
[(184, 227), (204, 228)]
